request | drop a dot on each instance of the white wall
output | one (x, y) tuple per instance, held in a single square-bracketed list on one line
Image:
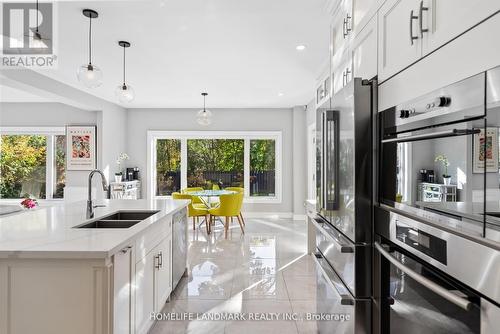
[(141, 120), (299, 160)]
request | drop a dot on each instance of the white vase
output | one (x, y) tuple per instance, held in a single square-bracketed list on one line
[(447, 181), (118, 178)]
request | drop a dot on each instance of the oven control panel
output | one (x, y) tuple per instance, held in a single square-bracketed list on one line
[(439, 102)]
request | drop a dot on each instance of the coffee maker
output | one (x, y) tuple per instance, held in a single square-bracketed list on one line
[(132, 173)]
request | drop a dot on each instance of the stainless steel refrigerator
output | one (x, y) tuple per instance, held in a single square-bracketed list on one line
[(344, 206)]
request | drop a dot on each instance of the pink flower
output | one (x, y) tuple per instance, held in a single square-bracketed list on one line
[(29, 203)]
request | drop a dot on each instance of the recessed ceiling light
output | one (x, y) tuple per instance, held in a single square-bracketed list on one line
[(300, 47), (280, 94)]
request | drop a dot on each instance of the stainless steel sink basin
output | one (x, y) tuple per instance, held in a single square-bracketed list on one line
[(129, 215), (110, 224), (120, 219)]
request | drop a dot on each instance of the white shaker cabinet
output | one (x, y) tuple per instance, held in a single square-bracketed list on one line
[(342, 74), (153, 280), (361, 12), (163, 272), (363, 51), (399, 43), (145, 292), (123, 275), (446, 19)]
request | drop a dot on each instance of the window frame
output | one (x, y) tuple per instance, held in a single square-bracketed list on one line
[(246, 136), (50, 161)]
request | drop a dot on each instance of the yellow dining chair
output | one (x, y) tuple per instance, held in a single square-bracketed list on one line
[(196, 199), (193, 211), (230, 206), (238, 190)]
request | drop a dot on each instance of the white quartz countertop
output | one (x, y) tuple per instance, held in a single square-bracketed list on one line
[(49, 232)]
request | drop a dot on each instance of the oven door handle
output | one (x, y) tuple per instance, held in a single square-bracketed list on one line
[(344, 248), (440, 134), (330, 276), (451, 297)]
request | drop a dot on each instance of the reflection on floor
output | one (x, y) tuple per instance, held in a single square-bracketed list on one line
[(265, 270)]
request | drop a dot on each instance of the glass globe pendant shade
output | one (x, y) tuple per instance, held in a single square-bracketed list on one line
[(90, 75), (204, 117), (125, 93)]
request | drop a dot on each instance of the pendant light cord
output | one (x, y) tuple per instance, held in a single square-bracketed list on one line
[(36, 15), (90, 39), (124, 66), (204, 97)]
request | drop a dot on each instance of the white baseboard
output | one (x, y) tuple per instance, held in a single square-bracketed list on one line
[(299, 217), (273, 215)]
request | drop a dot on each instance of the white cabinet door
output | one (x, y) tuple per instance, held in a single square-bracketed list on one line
[(396, 28), (360, 9), (163, 273), (145, 291), (342, 75), (446, 19), (363, 51), (123, 275)]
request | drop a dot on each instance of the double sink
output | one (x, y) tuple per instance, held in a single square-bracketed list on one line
[(119, 219)]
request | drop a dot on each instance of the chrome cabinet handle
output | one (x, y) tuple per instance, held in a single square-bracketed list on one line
[(125, 249), (160, 259), (347, 72), (436, 288), (421, 18), (346, 28), (412, 17)]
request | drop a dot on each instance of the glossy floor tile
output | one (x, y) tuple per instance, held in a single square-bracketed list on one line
[(264, 271)]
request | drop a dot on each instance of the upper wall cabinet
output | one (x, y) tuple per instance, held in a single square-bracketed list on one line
[(442, 20), (398, 42), (363, 51), (410, 29)]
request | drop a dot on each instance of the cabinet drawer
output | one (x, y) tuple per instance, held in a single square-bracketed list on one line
[(150, 238)]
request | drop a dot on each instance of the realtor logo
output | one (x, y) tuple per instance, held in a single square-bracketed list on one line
[(28, 39)]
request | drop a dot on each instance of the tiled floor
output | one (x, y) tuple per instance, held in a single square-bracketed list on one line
[(265, 270)]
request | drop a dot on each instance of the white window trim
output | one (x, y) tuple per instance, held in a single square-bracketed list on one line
[(153, 136), (50, 173)]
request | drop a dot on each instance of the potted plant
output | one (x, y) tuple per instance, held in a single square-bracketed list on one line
[(122, 157), (444, 160)]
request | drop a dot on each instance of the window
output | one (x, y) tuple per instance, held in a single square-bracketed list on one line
[(215, 163), (168, 166), (32, 163), (262, 167), (216, 160)]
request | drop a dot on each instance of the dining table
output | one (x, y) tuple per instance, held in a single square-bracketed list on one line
[(206, 196)]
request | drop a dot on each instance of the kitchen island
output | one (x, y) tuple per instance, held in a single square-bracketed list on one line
[(57, 276)]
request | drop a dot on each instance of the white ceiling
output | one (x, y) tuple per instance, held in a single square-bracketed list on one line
[(242, 52)]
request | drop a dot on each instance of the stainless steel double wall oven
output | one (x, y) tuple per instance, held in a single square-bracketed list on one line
[(437, 226)]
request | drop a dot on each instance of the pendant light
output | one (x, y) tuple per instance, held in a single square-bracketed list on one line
[(37, 41), (204, 116), (89, 74), (125, 93)]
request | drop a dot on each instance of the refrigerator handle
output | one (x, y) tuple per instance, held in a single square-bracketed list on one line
[(324, 148)]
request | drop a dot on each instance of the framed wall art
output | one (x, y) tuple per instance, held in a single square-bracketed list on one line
[(485, 152), (81, 145)]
